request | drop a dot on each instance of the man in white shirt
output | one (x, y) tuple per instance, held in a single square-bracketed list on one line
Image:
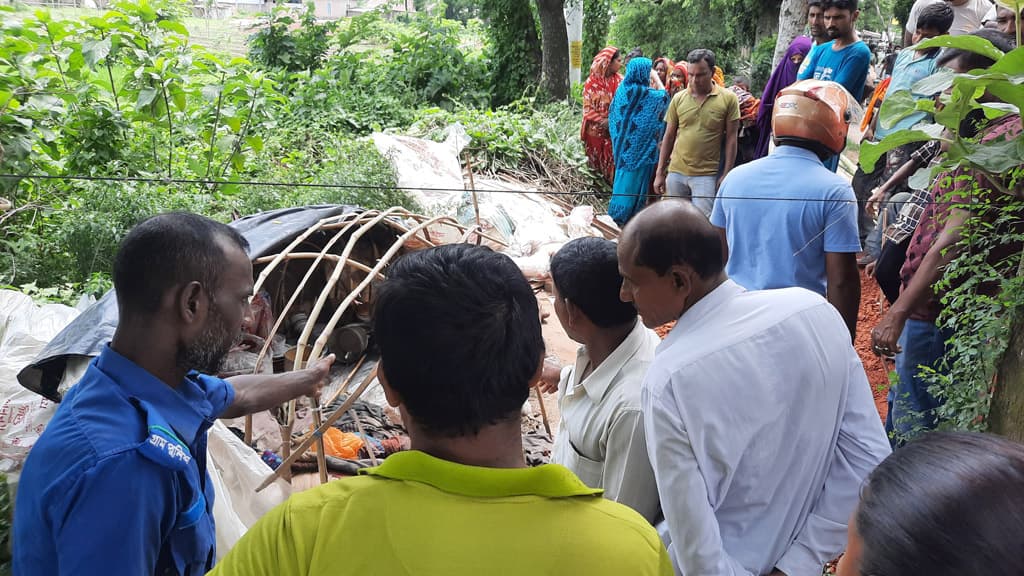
[(601, 436), (759, 418), (968, 16)]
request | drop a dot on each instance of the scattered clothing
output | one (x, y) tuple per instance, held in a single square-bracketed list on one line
[(432, 517), (117, 483), (801, 212), (636, 123), (601, 436), (759, 460), (598, 92), (783, 75)]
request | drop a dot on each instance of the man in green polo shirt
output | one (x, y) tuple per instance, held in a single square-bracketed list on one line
[(698, 120), (460, 342)]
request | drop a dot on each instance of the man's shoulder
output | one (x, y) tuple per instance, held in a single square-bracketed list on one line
[(861, 48), (605, 525)]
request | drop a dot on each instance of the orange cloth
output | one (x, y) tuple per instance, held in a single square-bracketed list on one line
[(341, 444), (719, 77), (876, 99)]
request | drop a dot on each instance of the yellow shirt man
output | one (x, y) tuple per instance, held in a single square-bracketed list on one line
[(702, 127), (416, 514)]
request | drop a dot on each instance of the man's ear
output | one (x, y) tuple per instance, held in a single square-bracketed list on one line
[(390, 394), (682, 278), (572, 312), (191, 303)]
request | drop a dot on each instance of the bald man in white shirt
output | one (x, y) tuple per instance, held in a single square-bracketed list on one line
[(759, 418)]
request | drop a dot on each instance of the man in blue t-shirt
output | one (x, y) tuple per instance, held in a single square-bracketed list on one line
[(784, 219), (845, 59)]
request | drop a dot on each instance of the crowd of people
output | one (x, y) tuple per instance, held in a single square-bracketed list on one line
[(744, 442)]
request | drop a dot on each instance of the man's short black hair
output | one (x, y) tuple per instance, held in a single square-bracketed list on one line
[(850, 5), (972, 60), (459, 334), (937, 16), (165, 251), (586, 272), (819, 3), (661, 247), (704, 54)]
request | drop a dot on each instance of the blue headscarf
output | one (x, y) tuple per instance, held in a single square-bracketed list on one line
[(636, 118)]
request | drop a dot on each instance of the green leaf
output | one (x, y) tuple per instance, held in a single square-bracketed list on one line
[(936, 83), (233, 122), (46, 103), (996, 157), (211, 92), (172, 26), (255, 142), (95, 50), (896, 106), (178, 96), (871, 152), (970, 43), (146, 97), (920, 179), (995, 110)]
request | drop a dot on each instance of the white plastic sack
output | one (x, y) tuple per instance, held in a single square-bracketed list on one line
[(236, 470), (25, 328), (429, 171)]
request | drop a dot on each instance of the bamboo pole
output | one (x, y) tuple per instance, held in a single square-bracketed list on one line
[(321, 456), (330, 420), (543, 410), (472, 188), (318, 346)]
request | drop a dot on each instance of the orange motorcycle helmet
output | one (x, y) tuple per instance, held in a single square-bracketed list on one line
[(815, 114)]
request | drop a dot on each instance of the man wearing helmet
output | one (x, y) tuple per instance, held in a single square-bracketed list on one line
[(845, 59), (801, 229)]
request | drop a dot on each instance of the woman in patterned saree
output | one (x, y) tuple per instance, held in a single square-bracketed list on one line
[(598, 92)]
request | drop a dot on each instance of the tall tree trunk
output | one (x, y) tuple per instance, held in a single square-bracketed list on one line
[(792, 20), (1006, 415), (554, 78)]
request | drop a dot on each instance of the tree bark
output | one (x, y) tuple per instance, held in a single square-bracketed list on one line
[(1006, 414), (792, 20), (554, 79)]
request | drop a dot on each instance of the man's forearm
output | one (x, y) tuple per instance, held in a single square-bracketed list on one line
[(919, 289), (844, 294), (731, 144), (258, 392)]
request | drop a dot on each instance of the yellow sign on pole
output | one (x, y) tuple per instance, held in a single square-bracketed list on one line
[(576, 54)]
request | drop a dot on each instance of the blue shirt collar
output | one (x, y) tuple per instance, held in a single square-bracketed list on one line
[(795, 152), (186, 409)]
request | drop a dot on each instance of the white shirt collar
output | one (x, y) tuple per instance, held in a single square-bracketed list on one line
[(701, 310), (596, 384)]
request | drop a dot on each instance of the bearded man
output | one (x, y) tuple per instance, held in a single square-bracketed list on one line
[(118, 484)]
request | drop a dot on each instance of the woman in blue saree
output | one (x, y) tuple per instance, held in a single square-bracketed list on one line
[(636, 121)]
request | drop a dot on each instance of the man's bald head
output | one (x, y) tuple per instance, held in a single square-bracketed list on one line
[(674, 232)]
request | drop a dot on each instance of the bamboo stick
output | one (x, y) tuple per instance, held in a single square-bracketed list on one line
[(321, 456), (321, 342), (313, 255), (330, 420), (543, 410)]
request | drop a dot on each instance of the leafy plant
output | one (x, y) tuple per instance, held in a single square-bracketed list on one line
[(290, 42), (979, 293)]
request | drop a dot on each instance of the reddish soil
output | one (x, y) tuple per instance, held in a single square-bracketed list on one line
[(872, 306)]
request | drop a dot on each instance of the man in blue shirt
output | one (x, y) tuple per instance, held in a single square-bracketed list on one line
[(845, 59), (118, 484), (786, 220)]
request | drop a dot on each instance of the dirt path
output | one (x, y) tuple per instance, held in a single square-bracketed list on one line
[(872, 306)]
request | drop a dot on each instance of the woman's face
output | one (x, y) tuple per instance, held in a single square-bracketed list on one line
[(677, 76), (796, 58), (616, 65), (662, 70)]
